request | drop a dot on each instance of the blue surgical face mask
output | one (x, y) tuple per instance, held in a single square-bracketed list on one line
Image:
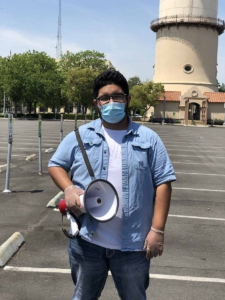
[(113, 112)]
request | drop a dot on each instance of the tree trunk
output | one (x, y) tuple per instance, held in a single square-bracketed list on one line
[(15, 107), (35, 107), (30, 107)]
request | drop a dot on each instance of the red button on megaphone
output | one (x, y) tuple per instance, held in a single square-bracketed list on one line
[(62, 207)]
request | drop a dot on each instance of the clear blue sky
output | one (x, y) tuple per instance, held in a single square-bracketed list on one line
[(119, 28)]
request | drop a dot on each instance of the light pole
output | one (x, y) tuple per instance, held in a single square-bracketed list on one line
[(164, 111), (224, 114), (4, 105)]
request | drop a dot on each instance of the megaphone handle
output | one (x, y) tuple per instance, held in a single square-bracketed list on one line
[(76, 219), (71, 236)]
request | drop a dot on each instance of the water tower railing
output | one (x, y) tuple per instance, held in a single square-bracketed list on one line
[(214, 23)]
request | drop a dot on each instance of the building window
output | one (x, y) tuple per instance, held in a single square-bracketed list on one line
[(188, 68)]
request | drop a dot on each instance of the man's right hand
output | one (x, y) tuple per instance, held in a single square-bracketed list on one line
[(72, 198)]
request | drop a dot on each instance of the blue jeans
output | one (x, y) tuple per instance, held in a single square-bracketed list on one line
[(90, 265)]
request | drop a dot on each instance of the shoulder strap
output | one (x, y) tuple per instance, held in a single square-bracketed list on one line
[(88, 165)]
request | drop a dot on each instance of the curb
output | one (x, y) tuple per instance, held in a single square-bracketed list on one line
[(3, 168), (55, 201), (31, 157), (10, 247), (49, 150)]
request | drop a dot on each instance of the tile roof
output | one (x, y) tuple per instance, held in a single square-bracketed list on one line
[(171, 96), (215, 97)]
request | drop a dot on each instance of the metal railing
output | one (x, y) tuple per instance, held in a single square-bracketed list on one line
[(214, 23)]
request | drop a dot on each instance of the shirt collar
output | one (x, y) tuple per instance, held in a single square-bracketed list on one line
[(96, 125)]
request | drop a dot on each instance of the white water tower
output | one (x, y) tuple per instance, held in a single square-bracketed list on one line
[(187, 44)]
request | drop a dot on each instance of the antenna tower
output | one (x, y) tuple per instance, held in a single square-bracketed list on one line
[(59, 35), (191, 8)]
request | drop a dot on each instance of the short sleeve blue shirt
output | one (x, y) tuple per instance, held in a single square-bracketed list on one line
[(145, 165)]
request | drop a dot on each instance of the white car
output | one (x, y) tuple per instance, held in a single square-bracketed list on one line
[(137, 115)]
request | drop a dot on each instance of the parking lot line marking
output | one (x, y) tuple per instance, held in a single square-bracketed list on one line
[(193, 217), (16, 148), (187, 278), (191, 144), (4, 154), (194, 150), (200, 174), (187, 146), (37, 270), (153, 276), (202, 190), (183, 155), (193, 163)]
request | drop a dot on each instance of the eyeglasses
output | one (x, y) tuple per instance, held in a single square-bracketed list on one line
[(116, 98)]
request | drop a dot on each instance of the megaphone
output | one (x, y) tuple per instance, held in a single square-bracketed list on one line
[(100, 200)]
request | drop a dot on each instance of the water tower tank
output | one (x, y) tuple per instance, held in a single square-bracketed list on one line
[(187, 44), (206, 8)]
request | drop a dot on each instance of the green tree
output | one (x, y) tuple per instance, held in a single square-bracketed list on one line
[(146, 95), (1, 99), (83, 60), (79, 86), (221, 88), (32, 78), (133, 81)]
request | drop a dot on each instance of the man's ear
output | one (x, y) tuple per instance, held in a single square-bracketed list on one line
[(128, 99), (95, 102)]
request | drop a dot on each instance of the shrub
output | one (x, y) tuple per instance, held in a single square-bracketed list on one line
[(167, 120), (215, 122)]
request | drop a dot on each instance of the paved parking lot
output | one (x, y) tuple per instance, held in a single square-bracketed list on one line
[(193, 263)]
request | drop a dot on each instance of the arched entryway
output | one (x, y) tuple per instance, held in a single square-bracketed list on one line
[(194, 112)]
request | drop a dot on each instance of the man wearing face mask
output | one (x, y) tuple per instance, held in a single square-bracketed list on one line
[(134, 159)]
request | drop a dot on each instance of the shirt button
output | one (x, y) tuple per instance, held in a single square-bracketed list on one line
[(104, 168), (105, 151)]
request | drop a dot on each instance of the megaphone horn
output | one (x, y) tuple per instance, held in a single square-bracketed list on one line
[(100, 200)]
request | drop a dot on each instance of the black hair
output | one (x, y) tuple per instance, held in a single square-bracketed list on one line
[(110, 76)]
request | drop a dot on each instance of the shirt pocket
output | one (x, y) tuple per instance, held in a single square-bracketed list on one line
[(140, 152), (92, 148)]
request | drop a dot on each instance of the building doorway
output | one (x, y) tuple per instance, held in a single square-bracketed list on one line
[(194, 111)]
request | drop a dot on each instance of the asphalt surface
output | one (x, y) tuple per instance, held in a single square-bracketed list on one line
[(193, 262)]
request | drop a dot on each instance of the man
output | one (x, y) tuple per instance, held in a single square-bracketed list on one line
[(134, 159)]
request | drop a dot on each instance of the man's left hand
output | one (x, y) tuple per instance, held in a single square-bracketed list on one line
[(154, 244)]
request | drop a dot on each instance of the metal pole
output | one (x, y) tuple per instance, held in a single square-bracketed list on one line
[(4, 105), (224, 115), (75, 121), (10, 140), (61, 129), (40, 152), (164, 110)]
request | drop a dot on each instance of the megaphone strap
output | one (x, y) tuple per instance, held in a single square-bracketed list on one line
[(71, 236), (88, 165)]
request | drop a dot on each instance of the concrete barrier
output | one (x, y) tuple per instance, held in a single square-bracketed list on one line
[(31, 157), (49, 150), (55, 201), (3, 168), (10, 247)]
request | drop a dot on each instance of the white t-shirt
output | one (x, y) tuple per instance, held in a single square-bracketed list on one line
[(109, 234)]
